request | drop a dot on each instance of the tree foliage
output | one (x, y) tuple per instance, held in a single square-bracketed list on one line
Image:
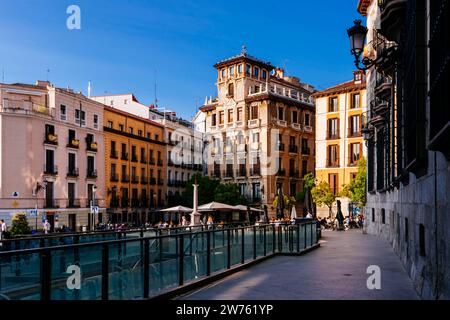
[(206, 190), (19, 224), (322, 195), (228, 193), (356, 189)]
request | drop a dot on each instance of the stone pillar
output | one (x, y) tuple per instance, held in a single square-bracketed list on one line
[(195, 215)]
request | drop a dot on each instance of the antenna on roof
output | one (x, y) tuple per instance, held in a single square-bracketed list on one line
[(156, 99)]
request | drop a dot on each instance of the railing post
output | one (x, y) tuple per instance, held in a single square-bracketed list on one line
[(304, 225), (181, 260), (105, 272), (228, 250), (273, 238), (146, 268), (254, 243), (280, 238), (265, 241), (298, 237), (312, 238), (208, 253), (243, 245), (46, 275)]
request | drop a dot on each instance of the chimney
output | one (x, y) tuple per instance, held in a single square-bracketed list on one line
[(279, 73), (42, 83)]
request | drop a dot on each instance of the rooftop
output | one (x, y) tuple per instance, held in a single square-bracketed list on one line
[(246, 56), (342, 87)]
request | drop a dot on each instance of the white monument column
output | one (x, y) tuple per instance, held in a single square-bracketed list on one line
[(195, 215)]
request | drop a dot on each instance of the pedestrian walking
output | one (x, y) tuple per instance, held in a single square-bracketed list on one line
[(47, 227)]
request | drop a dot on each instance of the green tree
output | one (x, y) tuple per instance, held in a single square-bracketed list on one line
[(228, 193), (322, 195), (19, 224), (206, 190), (356, 189), (289, 202)]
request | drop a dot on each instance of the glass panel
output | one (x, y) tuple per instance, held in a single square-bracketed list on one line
[(259, 242), (164, 273), (236, 246), (89, 262), (20, 277), (248, 241), (195, 256), (218, 250)]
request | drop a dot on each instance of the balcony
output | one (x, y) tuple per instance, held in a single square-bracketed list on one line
[(281, 173), (253, 123), (379, 107), (241, 173), (91, 173), (113, 154), (124, 156), (255, 171), (354, 133), (134, 158), (50, 204), (296, 126), (170, 183), (143, 159), (114, 177), (152, 181), (294, 174), (281, 123), (72, 172), (92, 146), (160, 163), (308, 129), (170, 163), (73, 143), (333, 163), (293, 148), (216, 174), (383, 86), (51, 139), (124, 202), (134, 179), (228, 174), (135, 203), (160, 181), (73, 203), (144, 180), (143, 202), (50, 169), (282, 92), (152, 161), (353, 161), (332, 135), (125, 178), (306, 151)]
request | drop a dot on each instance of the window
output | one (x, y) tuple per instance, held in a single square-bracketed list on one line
[(255, 136), (355, 125), (231, 89), (280, 113), (333, 128), (256, 190), (307, 119), (248, 69), (230, 116), (305, 148), (77, 116), (304, 168), (156, 137), (110, 124), (232, 71), (353, 176), (224, 73), (121, 127), (294, 116), (63, 113), (95, 121), (383, 216), (112, 102), (125, 101), (333, 182), (140, 133), (333, 156), (333, 104), (239, 114), (221, 117), (148, 135), (256, 72), (355, 153), (240, 69), (213, 120), (242, 187), (406, 230), (264, 74), (83, 118), (422, 240), (356, 98), (130, 130), (254, 112), (373, 215)]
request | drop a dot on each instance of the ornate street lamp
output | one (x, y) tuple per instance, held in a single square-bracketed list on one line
[(357, 35)]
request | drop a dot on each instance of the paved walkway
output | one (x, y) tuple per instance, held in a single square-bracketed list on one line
[(336, 270)]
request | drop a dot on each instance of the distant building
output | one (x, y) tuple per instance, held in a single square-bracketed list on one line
[(260, 129), (52, 155), (339, 142)]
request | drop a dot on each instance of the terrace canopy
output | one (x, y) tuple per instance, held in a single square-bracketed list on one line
[(216, 206)]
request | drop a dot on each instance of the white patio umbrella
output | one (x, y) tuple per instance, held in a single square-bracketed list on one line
[(177, 209), (240, 207), (215, 206), (293, 213)]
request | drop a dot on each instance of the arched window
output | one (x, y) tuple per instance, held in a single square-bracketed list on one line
[(231, 89)]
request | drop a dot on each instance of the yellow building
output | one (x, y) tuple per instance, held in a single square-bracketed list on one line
[(135, 166), (339, 142)]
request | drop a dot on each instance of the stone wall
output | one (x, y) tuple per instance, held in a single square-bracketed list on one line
[(423, 201)]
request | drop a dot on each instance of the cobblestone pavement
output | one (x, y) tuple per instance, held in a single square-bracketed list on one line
[(336, 270)]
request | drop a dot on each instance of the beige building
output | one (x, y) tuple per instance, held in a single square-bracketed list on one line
[(51, 155), (260, 129), (339, 142)]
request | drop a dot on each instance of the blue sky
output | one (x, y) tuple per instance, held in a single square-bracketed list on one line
[(124, 45)]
